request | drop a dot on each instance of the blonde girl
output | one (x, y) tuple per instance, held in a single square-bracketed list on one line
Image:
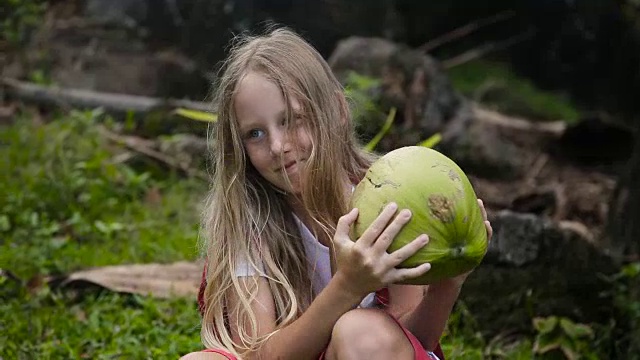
[(283, 280)]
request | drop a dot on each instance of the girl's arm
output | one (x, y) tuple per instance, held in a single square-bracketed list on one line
[(304, 338), (429, 315), (363, 267), (425, 312)]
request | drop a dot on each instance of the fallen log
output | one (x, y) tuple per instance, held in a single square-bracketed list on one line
[(112, 103), (143, 146), (488, 116)]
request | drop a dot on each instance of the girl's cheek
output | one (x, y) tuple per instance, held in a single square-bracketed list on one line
[(305, 137)]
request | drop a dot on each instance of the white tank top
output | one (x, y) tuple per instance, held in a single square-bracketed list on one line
[(319, 264)]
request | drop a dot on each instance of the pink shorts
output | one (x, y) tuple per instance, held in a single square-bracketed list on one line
[(418, 349)]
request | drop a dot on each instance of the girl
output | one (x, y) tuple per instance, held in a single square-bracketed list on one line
[(277, 222)]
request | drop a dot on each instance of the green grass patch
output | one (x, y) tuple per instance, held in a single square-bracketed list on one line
[(497, 86), (68, 203), (48, 325)]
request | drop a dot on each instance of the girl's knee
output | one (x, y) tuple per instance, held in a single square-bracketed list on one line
[(368, 332), (364, 323), (203, 356)]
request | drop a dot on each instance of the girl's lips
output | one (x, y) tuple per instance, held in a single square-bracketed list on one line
[(290, 166)]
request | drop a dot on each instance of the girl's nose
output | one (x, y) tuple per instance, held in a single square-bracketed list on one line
[(280, 142)]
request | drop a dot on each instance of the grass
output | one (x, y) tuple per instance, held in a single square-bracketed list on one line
[(497, 86), (47, 325), (67, 205)]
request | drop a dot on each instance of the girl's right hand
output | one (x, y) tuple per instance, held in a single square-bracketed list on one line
[(365, 263)]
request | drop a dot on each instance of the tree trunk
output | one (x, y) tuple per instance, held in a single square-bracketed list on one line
[(624, 211)]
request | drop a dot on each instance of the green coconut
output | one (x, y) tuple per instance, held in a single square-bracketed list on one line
[(443, 205)]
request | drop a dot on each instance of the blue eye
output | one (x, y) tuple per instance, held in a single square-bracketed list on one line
[(255, 133)]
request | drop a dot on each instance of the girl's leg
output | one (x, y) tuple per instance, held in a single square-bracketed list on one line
[(368, 334), (208, 355)]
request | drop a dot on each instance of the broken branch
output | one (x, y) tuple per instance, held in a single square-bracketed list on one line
[(466, 30), (483, 50)]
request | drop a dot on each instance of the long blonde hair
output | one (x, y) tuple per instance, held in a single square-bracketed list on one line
[(245, 217)]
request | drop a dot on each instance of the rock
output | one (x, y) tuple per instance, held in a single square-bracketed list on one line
[(481, 150), (411, 81), (535, 267), (110, 59), (517, 238), (128, 13), (427, 103)]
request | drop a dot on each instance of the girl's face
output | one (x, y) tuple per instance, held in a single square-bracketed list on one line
[(276, 149)]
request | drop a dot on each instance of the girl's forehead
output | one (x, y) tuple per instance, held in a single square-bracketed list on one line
[(261, 95)]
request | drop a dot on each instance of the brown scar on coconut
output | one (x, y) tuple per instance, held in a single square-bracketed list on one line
[(441, 207)]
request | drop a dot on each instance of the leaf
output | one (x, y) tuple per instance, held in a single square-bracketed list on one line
[(545, 325), (385, 128), (569, 353), (576, 331), (179, 279), (196, 115), (631, 270), (361, 82), (545, 343), (432, 141), (569, 350), (5, 223)]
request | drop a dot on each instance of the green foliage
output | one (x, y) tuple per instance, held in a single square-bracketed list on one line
[(431, 141), (496, 85), (371, 122), (371, 145), (51, 325), (463, 340), (559, 335), (620, 338), (362, 92), (19, 18), (197, 115), (66, 203)]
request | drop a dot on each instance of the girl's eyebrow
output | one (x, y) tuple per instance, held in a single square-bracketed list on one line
[(257, 123)]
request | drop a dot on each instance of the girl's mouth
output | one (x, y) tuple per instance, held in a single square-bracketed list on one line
[(289, 167)]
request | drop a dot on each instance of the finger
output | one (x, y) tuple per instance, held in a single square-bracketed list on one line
[(344, 225), (405, 252), (482, 209), (378, 225), (391, 231), (411, 273), (487, 224)]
